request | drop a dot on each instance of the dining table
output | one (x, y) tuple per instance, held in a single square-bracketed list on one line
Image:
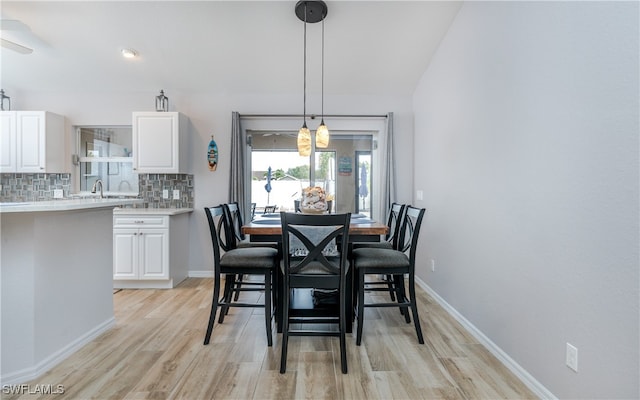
[(267, 228)]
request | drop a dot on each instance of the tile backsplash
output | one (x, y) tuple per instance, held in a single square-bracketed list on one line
[(33, 187), (151, 188), (18, 187)]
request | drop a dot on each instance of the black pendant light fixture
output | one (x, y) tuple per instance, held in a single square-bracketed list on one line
[(311, 12)]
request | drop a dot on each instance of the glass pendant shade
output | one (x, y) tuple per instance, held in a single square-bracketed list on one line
[(304, 141), (322, 136)]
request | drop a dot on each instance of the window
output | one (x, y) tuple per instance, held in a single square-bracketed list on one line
[(105, 153), (334, 169)]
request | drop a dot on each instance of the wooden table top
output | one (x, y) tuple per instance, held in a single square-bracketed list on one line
[(373, 228)]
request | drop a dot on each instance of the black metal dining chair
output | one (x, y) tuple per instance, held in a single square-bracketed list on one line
[(238, 261), (315, 262), (393, 262)]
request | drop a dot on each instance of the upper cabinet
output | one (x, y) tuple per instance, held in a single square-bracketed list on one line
[(159, 142), (31, 141), (8, 141)]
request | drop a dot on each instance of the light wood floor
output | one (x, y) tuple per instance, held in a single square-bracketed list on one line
[(155, 351)]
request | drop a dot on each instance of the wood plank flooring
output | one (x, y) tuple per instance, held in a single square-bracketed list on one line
[(155, 351)]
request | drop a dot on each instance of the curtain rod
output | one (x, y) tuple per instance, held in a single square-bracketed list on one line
[(311, 116)]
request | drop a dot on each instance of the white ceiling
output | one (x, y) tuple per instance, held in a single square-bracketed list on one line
[(371, 47)]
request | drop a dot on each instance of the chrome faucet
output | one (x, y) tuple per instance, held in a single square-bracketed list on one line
[(95, 187)]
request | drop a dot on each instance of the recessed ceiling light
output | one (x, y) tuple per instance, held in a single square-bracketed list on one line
[(129, 53)]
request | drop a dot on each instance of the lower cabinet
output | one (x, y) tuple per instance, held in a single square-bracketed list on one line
[(149, 251)]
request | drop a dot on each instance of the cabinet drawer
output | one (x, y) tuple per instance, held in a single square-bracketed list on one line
[(139, 221)]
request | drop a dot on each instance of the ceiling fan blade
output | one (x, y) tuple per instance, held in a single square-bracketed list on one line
[(13, 25), (7, 44)]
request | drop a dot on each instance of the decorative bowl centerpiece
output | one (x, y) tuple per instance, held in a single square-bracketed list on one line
[(314, 200)]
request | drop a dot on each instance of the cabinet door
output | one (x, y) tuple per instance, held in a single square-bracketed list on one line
[(156, 142), (154, 253), (7, 141), (125, 253), (31, 141)]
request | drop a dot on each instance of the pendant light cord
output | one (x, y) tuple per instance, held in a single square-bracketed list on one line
[(304, 97), (322, 80)]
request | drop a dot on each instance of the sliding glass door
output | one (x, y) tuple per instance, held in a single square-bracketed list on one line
[(363, 183), (334, 169)]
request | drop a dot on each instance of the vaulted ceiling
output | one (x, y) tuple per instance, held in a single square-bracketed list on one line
[(371, 47)]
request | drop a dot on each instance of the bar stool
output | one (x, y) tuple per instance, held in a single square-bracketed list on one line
[(237, 262), (393, 262)]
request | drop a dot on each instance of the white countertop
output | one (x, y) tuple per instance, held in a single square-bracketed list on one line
[(66, 205), (151, 211)]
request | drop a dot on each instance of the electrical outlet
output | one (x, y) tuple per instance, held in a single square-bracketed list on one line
[(572, 357), (176, 194), (165, 194), (58, 194), (433, 265)]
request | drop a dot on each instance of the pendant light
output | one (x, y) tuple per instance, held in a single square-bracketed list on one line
[(322, 133), (312, 12)]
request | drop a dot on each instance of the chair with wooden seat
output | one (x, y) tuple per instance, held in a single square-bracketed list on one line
[(393, 262), (237, 261), (315, 264)]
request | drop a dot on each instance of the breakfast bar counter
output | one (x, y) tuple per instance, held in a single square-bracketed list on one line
[(56, 281)]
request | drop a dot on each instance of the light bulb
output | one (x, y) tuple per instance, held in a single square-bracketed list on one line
[(304, 141), (322, 136)]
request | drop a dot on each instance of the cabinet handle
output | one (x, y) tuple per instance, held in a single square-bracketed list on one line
[(138, 222)]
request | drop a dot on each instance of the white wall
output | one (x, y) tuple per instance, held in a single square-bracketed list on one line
[(526, 125), (210, 114)]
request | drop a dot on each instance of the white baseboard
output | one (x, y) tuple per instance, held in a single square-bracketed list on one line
[(27, 374), (503, 357)]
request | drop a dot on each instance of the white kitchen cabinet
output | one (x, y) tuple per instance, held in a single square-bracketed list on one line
[(32, 141), (8, 146), (149, 251), (159, 142)]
